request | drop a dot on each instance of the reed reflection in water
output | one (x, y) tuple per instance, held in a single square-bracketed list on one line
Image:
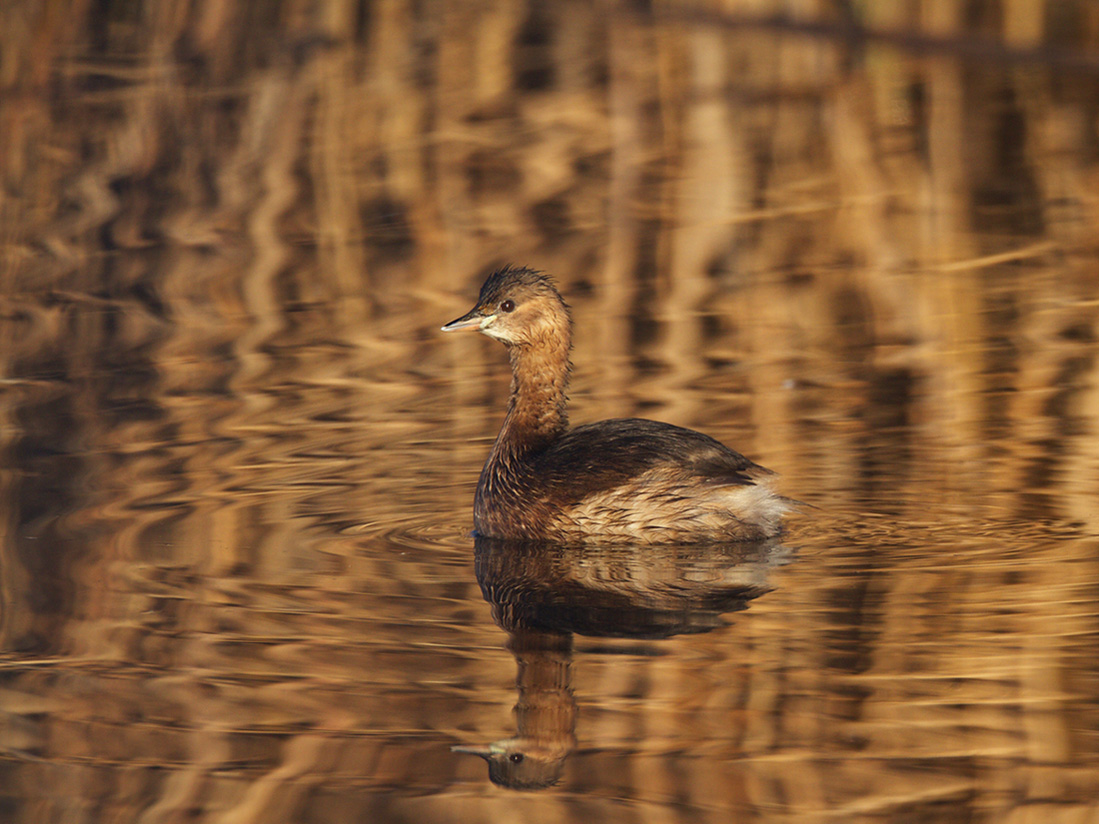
[(236, 577)]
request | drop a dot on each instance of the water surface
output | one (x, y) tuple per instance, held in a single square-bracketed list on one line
[(237, 576)]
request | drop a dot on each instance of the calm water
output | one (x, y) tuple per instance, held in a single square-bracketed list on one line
[(237, 577)]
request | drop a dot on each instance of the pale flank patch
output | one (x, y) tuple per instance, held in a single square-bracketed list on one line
[(661, 508)]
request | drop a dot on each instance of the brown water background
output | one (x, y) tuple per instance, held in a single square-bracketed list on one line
[(858, 241)]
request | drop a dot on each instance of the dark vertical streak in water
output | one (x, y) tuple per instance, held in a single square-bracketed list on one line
[(885, 410), (47, 488), (57, 463)]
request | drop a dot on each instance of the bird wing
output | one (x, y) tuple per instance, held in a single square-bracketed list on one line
[(597, 457)]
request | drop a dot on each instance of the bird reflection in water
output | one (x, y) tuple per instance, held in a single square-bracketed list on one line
[(541, 594)]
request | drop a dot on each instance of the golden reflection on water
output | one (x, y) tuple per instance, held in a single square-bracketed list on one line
[(237, 582)]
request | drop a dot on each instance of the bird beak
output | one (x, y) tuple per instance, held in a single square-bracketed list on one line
[(471, 320), (483, 751)]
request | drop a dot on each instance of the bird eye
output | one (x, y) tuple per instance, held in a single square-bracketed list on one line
[(507, 305), (515, 757)]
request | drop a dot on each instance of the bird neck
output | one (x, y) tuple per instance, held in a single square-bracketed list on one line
[(538, 407), (546, 712)]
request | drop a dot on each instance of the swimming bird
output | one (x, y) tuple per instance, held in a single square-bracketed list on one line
[(619, 480)]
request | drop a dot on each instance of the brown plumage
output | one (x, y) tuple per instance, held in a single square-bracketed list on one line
[(622, 480)]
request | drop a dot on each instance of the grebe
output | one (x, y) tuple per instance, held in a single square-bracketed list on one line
[(616, 481)]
